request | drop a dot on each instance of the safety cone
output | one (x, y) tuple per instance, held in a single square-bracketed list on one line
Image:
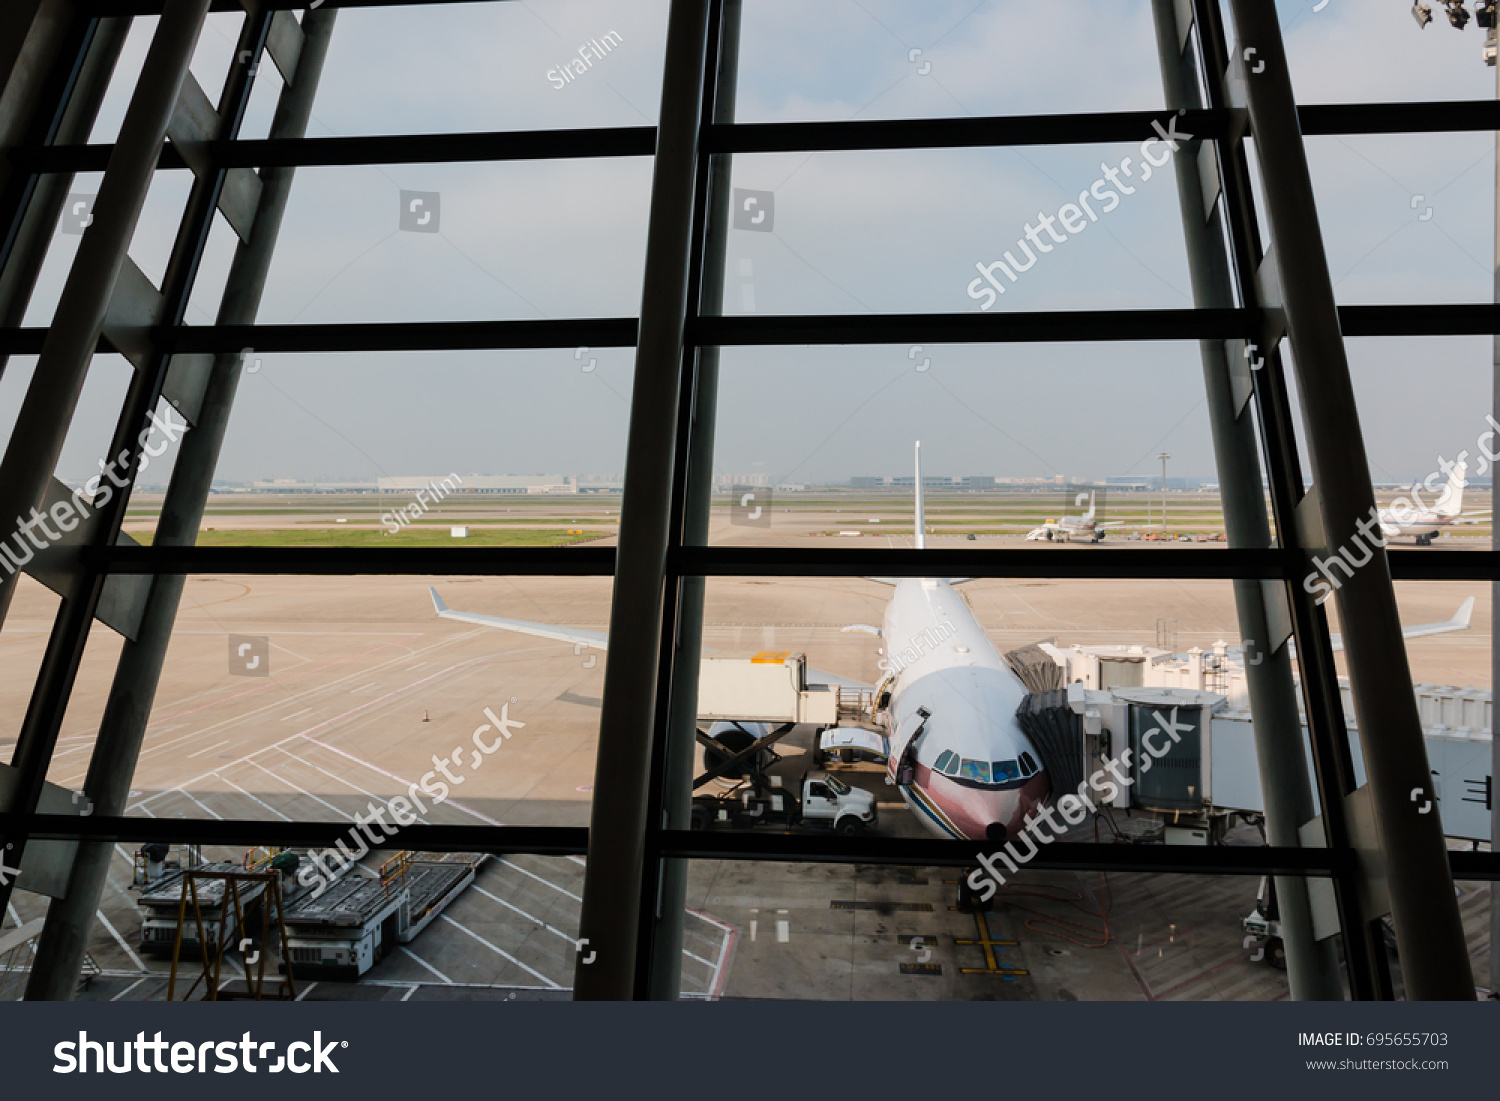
[(424, 716)]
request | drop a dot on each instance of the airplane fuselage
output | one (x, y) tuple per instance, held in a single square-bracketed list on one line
[(959, 757)]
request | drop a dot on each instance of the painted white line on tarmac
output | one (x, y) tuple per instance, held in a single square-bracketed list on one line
[(446, 980), (247, 795), (294, 787), (129, 988), (121, 941), (539, 879), (529, 917), (210, 749), (501, 952)]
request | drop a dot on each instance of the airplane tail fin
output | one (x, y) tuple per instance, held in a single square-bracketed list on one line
[(1452, 501), (921, 512), (1089, 515)]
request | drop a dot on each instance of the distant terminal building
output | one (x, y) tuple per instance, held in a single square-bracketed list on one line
[(929, 481), (293, 485), (488, 484)]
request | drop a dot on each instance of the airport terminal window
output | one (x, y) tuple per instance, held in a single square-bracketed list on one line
[(441, 244)]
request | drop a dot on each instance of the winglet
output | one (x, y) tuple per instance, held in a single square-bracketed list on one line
[(1465, 612), (439, 607)]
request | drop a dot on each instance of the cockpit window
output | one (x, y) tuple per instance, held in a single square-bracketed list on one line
[(838, 786), (975, 770), (1002, 771), (947, 758), (952, 769), (1028, 762)]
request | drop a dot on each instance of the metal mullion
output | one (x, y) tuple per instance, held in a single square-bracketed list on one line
[(30, 203), (693, 499), (19, 182), (619, 817)]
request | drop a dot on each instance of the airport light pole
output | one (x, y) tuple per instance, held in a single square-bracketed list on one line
[(1163, 456), (1458, 16)]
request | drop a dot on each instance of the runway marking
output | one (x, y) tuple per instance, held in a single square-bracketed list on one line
[(424, 963), (129, 988), (247, 795), (120, 941), (700, 959), (294, 714), (539, 879), (405, 784), (417, 666), (337, 718), (501, 952), (529, 917), (306, 990), (282, 681), (189, 796), (364, 687), (244, 718), (294, 787), (330, 775), (210, 749), (412, 990)]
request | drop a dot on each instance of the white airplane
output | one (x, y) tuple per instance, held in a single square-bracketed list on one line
[(1427, 522), (948, 701), (1075, 529)]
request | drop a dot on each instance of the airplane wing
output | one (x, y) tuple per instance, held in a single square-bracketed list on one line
[(594, 639), (597, 640), (1459, 622)]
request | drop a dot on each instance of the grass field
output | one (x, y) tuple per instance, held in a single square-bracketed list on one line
[(364, 537)]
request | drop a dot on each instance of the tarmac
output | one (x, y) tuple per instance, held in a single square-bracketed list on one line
[(366, 687)]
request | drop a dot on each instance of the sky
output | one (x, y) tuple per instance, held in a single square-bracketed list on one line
[(852, 233)]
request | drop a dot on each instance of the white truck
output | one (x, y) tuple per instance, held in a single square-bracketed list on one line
[(822, 801)]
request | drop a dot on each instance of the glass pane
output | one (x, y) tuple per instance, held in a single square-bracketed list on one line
[(461, 242), (959, 230), (882, 59), (1024, 446), (1407, 217), (1352, 53), (837, 932), (497, 448), (315, 698), (492, 66)]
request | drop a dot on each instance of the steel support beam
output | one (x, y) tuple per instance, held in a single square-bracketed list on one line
[(1494, 976), (612, 899), (122, 731), (70, 64), (677, 784), (1312, 968), (1410, 854), (48, 407)]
